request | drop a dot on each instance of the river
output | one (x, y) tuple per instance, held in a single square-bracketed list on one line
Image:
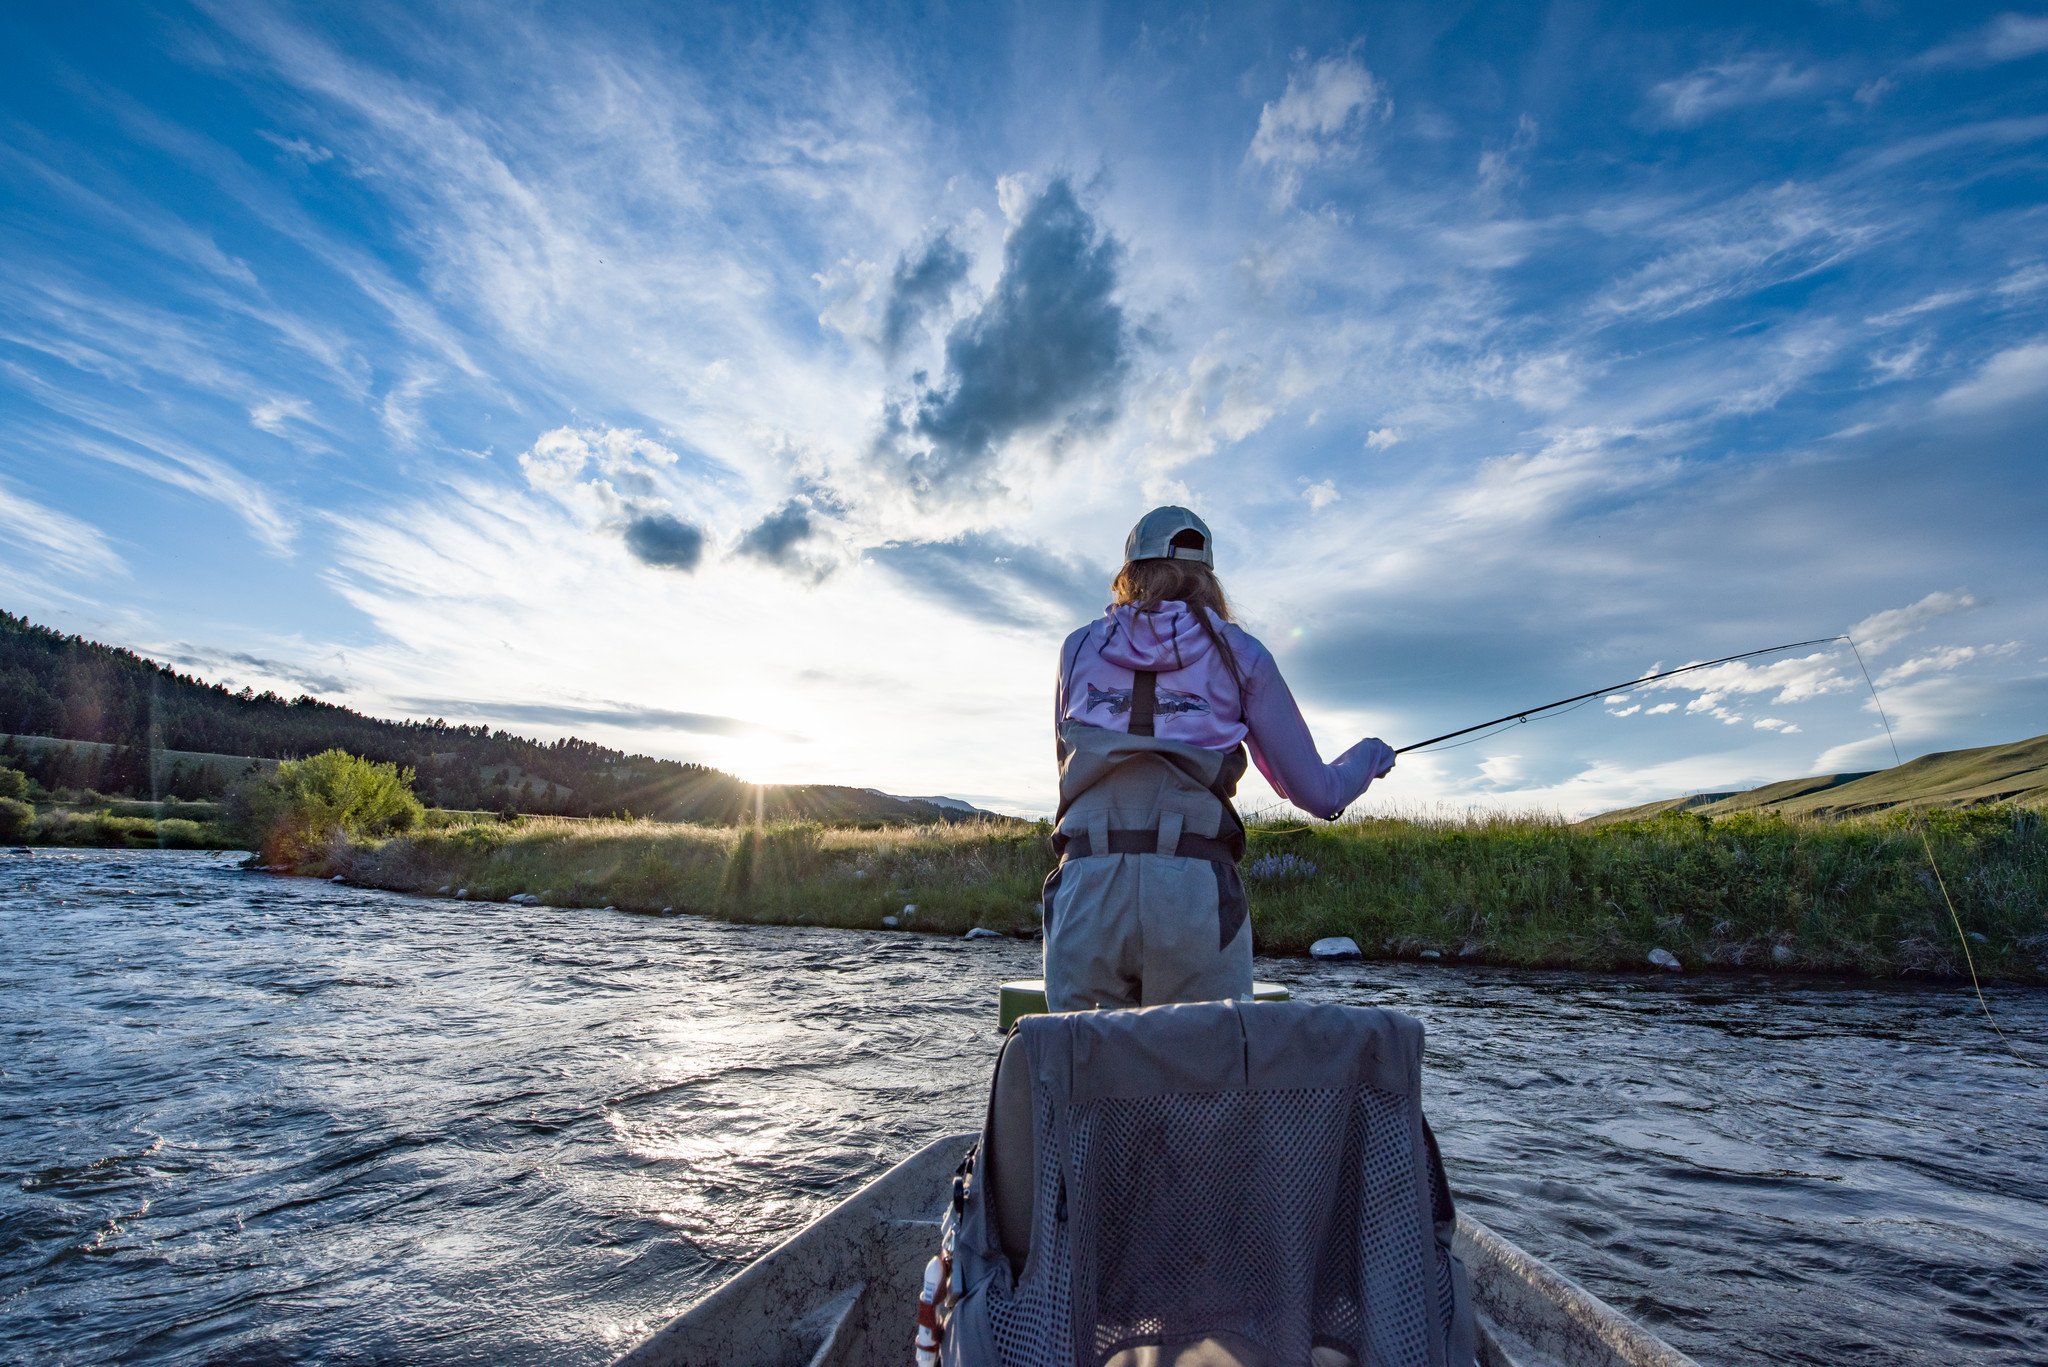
[(247, 1119)]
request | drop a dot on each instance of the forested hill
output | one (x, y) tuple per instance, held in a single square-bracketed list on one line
[(76, 689)]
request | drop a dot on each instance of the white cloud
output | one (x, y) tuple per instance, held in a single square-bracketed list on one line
[(1380, 438), (1317, 117), (1943, 661), (1732, 85), (1500, 168), (1660, 709), (2006, 38), (1628, 711), (69, 546), (1764, 238), (1548, 384), (311, 153), (272, 414), (1929, 303), (1900, 364), (2012, 375), (1502, 769), (1322, 495), (400, 411), (1880, 631)]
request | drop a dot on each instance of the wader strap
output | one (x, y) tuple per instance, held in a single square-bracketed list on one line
[(1083, 845), (1144, 699), (1097, 836), (1169, 833)]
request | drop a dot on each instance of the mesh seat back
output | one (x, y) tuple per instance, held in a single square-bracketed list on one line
[(1222, 1183)]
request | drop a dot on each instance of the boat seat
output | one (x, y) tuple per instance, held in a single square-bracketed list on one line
[(1213, 1184)]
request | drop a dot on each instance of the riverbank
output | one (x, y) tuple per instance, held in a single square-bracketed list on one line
[(118, 824), (1754, 892)]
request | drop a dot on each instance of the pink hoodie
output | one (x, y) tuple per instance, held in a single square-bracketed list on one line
[(1201, 703)]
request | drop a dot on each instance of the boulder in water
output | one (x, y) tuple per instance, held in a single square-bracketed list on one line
[(1666, 960), (1432, 954), (1783, 955), (1335, 947), (889, 923), (524, 899), (982, 933)]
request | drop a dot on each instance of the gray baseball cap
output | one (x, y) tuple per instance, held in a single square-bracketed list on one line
[(1152, 538)]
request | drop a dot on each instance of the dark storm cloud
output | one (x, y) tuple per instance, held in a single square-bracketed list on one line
[(998, 580), (611, 714), (1047, 351), (918, 286), (664, 541), (775, 537)]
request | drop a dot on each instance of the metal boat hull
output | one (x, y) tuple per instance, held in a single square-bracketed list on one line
[(842, 1292)]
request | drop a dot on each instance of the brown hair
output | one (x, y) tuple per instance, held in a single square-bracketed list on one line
[(1148, 583)]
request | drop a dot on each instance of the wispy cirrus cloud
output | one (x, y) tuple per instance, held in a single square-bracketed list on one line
[(1499, 391), (1738, 83), (69, 546), (2006, 38)]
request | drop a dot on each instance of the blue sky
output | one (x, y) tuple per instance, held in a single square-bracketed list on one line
[(774, 389)]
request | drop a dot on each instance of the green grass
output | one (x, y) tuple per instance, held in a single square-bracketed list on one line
[(958, 875), (2015, 773), (1749, 891), (103, 829)]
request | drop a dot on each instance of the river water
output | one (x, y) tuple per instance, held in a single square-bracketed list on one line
[(248, 1120)]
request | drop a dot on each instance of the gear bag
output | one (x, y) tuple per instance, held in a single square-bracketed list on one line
[(1233, 1184)]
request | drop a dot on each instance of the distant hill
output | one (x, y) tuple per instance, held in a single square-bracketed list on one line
[(951, 804), (149, 730), (2014, 772)]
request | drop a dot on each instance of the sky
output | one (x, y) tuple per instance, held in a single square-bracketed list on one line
[(774, 387)]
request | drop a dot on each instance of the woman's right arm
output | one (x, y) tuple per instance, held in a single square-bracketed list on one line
[(1286, 754)]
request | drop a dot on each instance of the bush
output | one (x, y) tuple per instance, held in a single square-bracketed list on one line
[(16, 818), (294, 813), (13, 784)]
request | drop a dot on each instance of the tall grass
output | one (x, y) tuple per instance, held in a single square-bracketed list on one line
[(1741, 891), (1759, 891), (956, 875)]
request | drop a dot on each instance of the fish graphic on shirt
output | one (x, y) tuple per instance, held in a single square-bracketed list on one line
[(1118, 701)]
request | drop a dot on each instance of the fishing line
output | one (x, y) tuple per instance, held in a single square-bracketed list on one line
[(1920, 829), (1572, 704), (1505, 728), (1527, 713)]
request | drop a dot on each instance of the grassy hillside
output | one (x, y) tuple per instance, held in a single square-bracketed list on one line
[(2016, 772)]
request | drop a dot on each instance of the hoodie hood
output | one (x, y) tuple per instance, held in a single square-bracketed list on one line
[(1167, 639)]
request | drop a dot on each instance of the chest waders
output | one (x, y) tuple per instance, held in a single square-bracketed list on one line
[(1146, 906)]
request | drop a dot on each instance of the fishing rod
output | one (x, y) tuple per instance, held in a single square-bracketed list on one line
[(1527, 713)]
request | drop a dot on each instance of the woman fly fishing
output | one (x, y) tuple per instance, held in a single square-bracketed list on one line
[(1157, 702)]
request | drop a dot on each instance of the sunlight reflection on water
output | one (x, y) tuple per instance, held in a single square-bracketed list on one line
[(245, 1118)]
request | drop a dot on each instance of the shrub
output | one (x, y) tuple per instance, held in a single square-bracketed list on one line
[(13, 784), (16, 818), (293, 814)]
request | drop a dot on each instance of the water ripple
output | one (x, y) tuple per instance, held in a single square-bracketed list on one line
[(246, 1119)]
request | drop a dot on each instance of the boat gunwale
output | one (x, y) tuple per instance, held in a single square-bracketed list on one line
[(1572, 1327)]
